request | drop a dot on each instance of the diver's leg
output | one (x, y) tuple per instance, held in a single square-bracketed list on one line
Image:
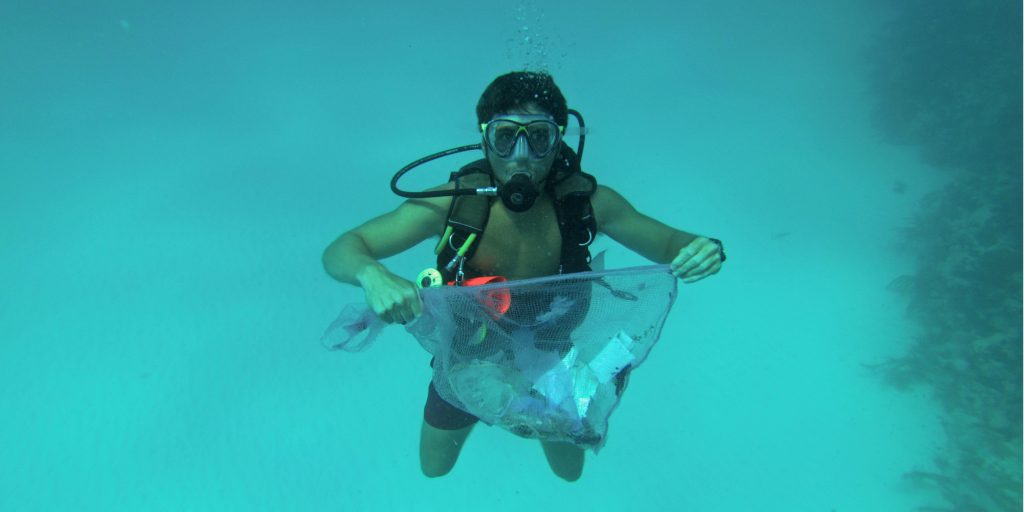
[(439, 448), (565, 459), (444, 431)]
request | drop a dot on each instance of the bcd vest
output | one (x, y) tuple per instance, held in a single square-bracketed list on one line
[(468, 215)]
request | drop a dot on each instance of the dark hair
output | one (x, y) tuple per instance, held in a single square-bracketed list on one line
[(517, 89)]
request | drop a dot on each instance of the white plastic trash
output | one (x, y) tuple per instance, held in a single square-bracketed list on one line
[(612, 358)]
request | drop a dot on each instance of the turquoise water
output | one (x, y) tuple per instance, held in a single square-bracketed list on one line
[(169, 175)]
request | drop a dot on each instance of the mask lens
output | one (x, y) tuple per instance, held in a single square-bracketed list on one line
[(542, 136), (502, 135)]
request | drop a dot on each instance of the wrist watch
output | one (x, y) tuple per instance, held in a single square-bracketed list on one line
[(721, 250)]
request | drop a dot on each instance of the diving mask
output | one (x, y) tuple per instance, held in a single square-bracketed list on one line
[(542, 136), (540, 139)]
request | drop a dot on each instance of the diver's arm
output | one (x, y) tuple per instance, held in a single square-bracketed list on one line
[(692, 257), (355, 256), (644, 235), (360, 249)]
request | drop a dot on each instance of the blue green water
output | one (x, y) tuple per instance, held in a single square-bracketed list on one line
[(170, 173)]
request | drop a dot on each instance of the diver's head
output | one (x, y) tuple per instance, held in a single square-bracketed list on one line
[(522, 116), (525, 141), (514, 91)]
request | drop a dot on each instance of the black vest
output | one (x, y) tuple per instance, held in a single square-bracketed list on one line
[(469, 214)]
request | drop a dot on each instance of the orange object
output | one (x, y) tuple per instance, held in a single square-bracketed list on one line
[(496, 301)]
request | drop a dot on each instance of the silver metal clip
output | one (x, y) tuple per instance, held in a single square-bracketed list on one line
[(460, 275), (457, 260)]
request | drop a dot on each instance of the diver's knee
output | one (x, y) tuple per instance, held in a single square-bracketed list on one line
[(435, 469), (569, 474), (567, 468), (436, 463), (566, 460), (439, 449)]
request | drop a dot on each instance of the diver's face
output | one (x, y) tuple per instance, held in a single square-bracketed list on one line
[(523, 157)]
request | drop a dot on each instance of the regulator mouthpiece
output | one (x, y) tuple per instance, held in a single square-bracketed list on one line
[(519, 193)]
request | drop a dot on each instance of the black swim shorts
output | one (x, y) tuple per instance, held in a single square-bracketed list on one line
[(442, 415)]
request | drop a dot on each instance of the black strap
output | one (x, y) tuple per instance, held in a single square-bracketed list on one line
[(469, 214), (578, 228), (466, 215)]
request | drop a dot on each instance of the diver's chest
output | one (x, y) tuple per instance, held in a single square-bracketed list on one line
[(517, 249)]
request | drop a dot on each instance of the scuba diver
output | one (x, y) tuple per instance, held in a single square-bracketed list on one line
[(525, 210)]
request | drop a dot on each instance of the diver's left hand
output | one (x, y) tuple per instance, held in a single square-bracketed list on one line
[(700, 259)]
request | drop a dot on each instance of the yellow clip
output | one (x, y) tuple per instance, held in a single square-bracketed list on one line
[(444, 240), (465, 246), (447, 235)]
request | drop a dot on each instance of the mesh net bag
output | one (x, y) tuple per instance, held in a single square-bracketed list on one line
[(543, 358)]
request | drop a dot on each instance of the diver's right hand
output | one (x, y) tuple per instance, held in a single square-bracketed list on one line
[(391, 298)]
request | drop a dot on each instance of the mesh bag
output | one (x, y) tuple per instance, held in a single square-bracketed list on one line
[(544, 358)]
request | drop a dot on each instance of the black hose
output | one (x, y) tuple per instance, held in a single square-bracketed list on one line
[(467, 191), (436, 193), (583, 134)]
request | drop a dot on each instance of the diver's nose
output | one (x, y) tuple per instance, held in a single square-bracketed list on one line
[(522, 147)]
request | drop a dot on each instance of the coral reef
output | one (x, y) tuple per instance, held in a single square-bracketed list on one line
[(947, 79)]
